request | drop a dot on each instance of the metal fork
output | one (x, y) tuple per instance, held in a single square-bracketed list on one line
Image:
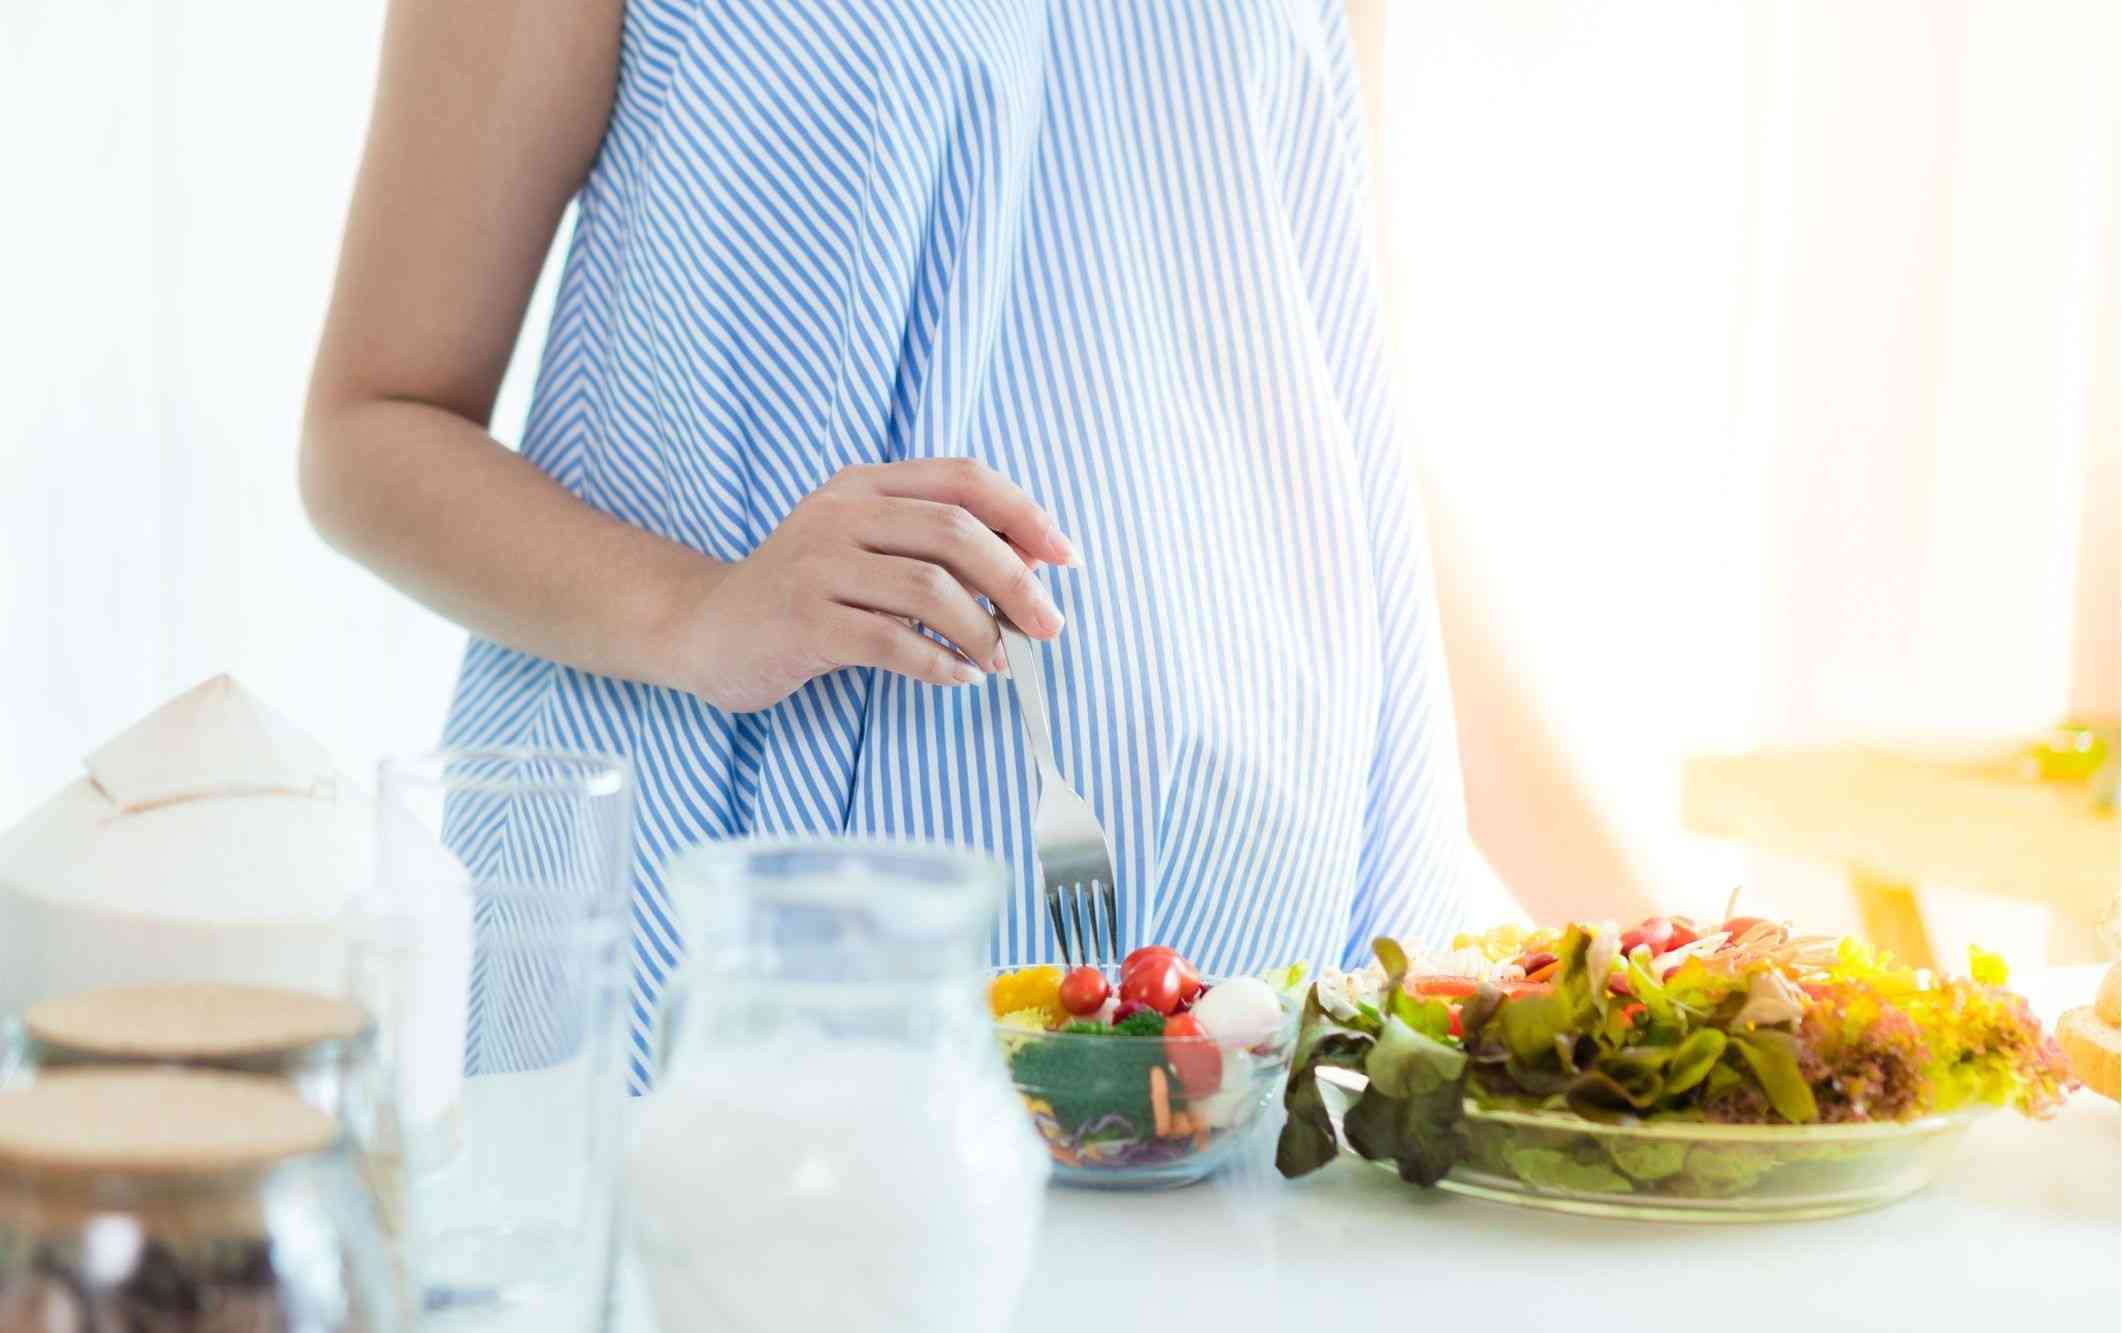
[(1074, 855)]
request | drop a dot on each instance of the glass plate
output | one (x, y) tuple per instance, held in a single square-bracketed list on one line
[(1691, 1172)]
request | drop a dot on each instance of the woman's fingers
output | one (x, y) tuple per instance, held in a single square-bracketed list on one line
[(928, 538), (978, 489), (866, 639), (951, 537), (923, 591)]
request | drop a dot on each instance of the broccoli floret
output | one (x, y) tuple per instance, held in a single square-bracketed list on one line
[(1141, 1023), (1087, 1081)]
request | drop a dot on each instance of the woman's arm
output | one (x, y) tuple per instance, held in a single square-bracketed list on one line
[(1527, 809), (488, 116)]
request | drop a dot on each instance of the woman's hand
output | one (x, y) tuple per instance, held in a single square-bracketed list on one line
[(839, 582)]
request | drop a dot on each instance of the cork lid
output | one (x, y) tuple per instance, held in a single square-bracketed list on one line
[(192, 1021), (156, 1122)]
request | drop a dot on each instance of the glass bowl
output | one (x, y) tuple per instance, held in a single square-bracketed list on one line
[(1114, 1113), (1690, 1171)]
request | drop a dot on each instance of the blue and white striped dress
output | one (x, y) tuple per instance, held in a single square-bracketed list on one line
[(1119, 252)]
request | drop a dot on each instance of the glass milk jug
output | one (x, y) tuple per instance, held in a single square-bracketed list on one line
[(833, 1141)]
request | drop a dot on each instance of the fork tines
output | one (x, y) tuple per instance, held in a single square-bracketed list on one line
[(1086, 923)]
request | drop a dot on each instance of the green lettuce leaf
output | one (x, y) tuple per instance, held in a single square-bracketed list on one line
[(1645, 988), (1773, 1057), (1307, 1141), (1409, 1113), (1476, 1010), (1373, 1126), (1431, 1018), (1718, 1170), (1405, 1063), (1540, 1030), (1692, 1060), (1647, 1159), (1287, 981), (1554, 1169), (1393, 959), (1418, 1133)]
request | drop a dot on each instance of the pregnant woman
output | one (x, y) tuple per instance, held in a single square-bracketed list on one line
[(872, 311)]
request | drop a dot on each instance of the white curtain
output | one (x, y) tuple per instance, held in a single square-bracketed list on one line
[(1750, 345), (1752, 351)]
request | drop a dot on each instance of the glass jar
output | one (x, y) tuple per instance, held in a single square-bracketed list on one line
[(833, 1141), (312, 1041), (184, 1202)]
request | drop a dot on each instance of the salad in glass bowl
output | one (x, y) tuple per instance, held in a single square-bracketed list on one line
[(1732, 1072), (1149, 1078)]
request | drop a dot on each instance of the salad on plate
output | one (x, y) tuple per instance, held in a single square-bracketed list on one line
[(1667, 1066)]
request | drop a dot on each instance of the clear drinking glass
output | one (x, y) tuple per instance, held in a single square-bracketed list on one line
[(833, 1142), (492, 953)]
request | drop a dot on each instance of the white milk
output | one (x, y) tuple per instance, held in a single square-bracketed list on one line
[(866, 1187)]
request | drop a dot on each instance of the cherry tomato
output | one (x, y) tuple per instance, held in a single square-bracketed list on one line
[(1684, 933), (1190, 985), (1083, 991), (1657, 932), (1195, 1059), (1619, 984), (1154, 981), (1458, 1030)]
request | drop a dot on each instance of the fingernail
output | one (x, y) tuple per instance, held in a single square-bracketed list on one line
[(965, 673), (1000, 666), (1070, 557)]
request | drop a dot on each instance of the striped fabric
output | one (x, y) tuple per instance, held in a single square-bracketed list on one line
[(1118, 252)]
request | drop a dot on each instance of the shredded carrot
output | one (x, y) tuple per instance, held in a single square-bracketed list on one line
[(1160, 1101), (1546, 973)]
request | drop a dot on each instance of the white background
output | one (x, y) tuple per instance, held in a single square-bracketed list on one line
[(1758, 355)]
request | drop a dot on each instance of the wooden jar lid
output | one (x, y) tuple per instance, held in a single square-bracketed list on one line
[(156, 1122), (192, 1021)]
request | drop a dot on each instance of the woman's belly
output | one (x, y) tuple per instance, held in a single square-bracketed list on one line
[(1214, 696)]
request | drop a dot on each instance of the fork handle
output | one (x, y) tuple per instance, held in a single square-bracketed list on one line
[(1031, 695)]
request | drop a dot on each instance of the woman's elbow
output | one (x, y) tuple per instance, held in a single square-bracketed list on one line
[(326, 472)]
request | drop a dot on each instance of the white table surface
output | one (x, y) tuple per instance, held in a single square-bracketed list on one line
[(2025, 1225), (2024, 1229)]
